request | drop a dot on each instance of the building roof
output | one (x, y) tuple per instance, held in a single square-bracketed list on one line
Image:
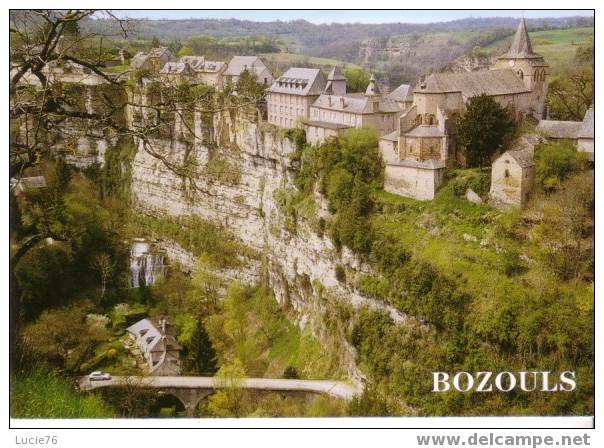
[(354, 103), (521, 44), (424, 130), (490, 82), (158, 52), (560, 129), (429, 164), (300, 81), (179, 68), (328, 125), (404, 92), (524, 157), (200, 64), (25, 183), (392, 137), (587, 126), (372, 89), (154, 335), (239, 64), (139, 59), (336, 75)]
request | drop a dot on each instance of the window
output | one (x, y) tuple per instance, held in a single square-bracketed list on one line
[(507, 173), (520, 74)]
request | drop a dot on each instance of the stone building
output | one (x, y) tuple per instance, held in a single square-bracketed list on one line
[(335, 110), (154, 337), (152, 61), (517, 81), (252, 64), (512, 177), (175, 72), (581, 133), (207, 72), (291, 95)]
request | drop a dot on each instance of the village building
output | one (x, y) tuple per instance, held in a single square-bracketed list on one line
[(580, 133), (252, 64), (512, 177), (176, 72), (335, 110), (403, 96), (155, 339), (153, 61), (22, 184), (207, 72), (425, 145), (291, 95)]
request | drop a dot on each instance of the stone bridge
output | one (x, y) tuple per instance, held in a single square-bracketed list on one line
[(190, 390)]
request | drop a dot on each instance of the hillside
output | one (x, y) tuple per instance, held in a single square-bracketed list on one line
[(558, 47)]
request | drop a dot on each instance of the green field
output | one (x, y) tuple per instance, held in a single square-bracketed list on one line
[(301, 60), (558, 47)]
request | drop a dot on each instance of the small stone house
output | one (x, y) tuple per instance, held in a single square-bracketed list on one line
[(512, 177), (152, 61), (252, 64), (291, 95), (210, 73), (154, 337)]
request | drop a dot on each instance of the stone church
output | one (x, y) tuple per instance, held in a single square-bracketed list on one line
[(423, 147)]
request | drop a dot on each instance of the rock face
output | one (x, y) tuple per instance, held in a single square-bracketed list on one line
[(300, 265)]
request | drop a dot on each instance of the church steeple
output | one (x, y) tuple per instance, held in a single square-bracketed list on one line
[(521, 45), (336, 82)]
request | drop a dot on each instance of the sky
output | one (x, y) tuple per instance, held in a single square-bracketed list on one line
[(347, 16)]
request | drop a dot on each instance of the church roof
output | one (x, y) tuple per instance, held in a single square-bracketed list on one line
[(300, 81), (391, 137), (354, 103), (490, 82), (521, 44), (425, 131), (560, 129)]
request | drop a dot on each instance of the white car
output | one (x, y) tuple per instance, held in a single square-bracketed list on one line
[(99, 376)]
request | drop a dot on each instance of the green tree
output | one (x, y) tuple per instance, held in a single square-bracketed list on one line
[(201, 356), (483, 128), (155, 42), (357, 79), (554, 163), (185, 51)]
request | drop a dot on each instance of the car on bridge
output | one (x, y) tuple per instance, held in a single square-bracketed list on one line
[(99, 376)]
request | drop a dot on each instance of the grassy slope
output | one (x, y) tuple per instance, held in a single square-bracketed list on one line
[(558, 47), (300, 59)]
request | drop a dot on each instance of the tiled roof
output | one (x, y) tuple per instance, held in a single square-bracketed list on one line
[(354, 103), (200, 64), (560, 129), (138, 59), (328, 125), (157, 52), (176, 68), (393, 136), (425, 131), (240, 63), (336, 75), (490, 82), (404, 92), (300, 81), (429, 164), (521, 45), (524, 157)]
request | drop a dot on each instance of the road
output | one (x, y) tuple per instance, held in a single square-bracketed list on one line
[(333, 388)]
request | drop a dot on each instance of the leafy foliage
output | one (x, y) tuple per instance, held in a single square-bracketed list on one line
[(483, 128)]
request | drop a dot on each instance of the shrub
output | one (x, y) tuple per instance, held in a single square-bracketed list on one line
[(554, 163)]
